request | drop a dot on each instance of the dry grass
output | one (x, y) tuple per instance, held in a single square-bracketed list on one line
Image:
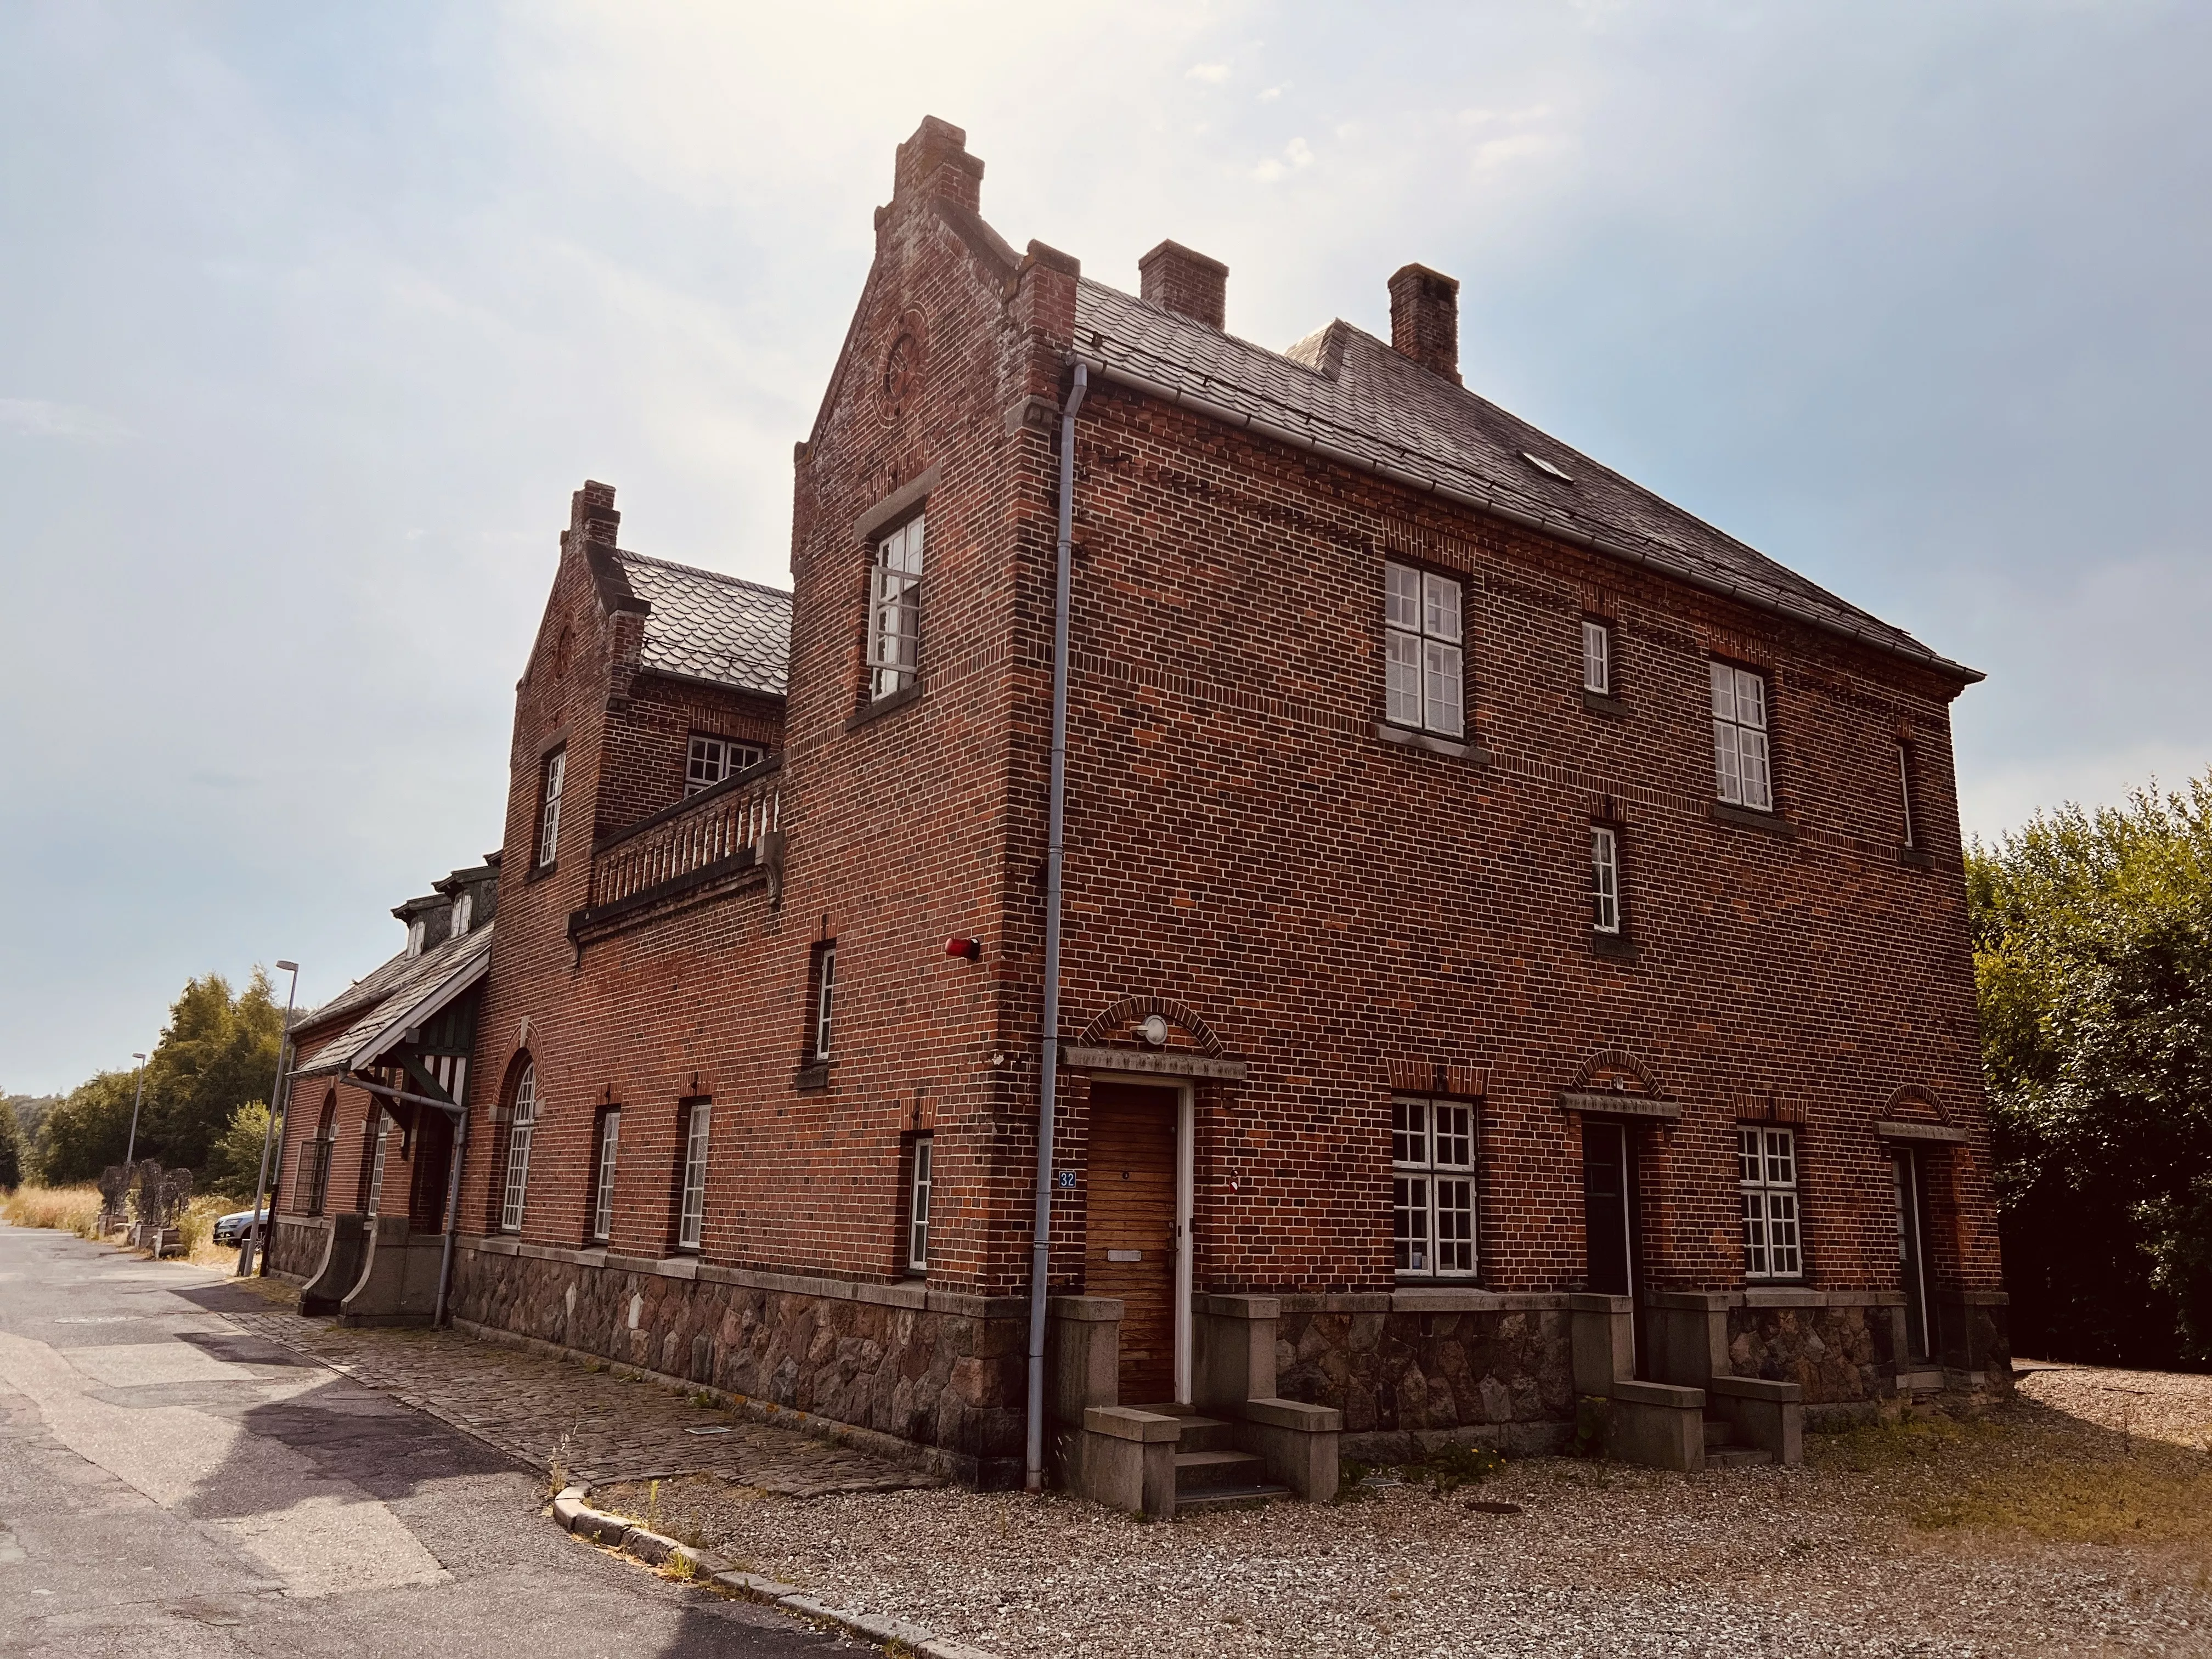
[(69, 1209)]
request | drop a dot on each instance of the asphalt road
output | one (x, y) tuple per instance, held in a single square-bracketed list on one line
[(171, 1484)]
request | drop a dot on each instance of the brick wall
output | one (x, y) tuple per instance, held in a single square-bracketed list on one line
[(1337, 910)]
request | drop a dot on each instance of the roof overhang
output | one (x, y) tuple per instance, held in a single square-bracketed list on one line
[(405, 1016)]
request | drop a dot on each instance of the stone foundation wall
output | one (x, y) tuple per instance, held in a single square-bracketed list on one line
[(1406, 1380), (942, 1372), (1846, 1359), (295, 1247)]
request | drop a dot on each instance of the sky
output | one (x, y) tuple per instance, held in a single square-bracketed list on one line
[(317, 314)]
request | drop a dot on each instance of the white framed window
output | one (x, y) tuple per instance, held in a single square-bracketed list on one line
[(1423, 644), (1605, 880), (825, 988), (463, 904), (1740, 776), (603, 1193), (415, 929), (712, 759), (1905, 792), (895, 611), (917, 1245), (549, 809), (518, 1134), (376, 1161), (691, 1214), (1766, 1176), (1432, 1188), (1597, 657)]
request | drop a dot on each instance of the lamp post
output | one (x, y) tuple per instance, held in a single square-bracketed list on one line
[(256, 1224), (132, 1151)]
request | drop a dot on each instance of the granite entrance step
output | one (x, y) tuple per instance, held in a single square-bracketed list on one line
[(1209, 1471), (1722, 1453)]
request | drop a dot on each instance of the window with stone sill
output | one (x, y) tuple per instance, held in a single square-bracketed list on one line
[(821, 1002), (894, 612), (1741, 771), (520, 1129), (549, 808), (1604, 881), (1423, 648), (1432, 1188), (691, 1211), (1597, 657), (603, 1176), (922, 1178), (1766, 1182), (711, 759)]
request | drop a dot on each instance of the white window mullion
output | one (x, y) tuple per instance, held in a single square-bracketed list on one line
[(691, 1223)]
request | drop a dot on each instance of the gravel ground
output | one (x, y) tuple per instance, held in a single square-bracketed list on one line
[(2078, 1521)]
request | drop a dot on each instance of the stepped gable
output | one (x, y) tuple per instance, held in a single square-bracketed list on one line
[(1353, 395)]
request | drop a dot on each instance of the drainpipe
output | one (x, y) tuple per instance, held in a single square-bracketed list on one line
[(1056, 825)]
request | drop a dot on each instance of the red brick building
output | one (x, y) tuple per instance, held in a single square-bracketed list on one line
[(1513, 936)]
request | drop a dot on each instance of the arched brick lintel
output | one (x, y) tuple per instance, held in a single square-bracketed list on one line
[(1129, 1010), (1617, 1059)]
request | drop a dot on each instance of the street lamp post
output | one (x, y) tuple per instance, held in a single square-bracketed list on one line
[(257, 1221), (132, 1151)]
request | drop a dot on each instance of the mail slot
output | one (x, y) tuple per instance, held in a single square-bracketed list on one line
[(1125, 1255)]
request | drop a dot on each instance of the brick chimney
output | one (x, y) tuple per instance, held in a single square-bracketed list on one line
[(1183, 281), (1425, 318), (935, 161)]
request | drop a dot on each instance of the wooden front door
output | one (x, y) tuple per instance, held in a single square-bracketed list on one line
[(1130, 1229)]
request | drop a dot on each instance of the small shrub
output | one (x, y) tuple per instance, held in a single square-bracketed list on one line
[(1591, 1415), (1452, 1466)]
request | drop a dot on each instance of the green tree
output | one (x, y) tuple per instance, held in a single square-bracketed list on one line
[(2093, 967), (233, 1163), (217, 1052), (86, 1131), (11, 1150)]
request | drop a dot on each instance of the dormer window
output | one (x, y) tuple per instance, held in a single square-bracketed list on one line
[(461, 908), (415, 929)]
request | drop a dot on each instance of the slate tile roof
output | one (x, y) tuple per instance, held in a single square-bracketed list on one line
[(1345, 391), (707, 626), (389, 991)]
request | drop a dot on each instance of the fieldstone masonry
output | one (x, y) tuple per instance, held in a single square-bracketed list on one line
[(941, 1378)]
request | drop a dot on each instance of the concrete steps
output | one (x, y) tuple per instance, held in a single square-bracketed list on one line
[(1209, 1471), (1722, 1453)]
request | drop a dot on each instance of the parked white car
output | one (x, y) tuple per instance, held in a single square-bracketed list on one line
[(232, 1229)]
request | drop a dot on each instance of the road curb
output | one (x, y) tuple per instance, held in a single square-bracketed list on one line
[(616, 1532)]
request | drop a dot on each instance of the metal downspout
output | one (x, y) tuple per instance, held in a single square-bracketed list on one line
[(1056, 825)]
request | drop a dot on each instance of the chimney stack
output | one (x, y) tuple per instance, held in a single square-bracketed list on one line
[(935, 162), (1425, 318), (1182, 280)]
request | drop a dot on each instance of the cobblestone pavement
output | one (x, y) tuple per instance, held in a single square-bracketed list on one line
[(600, 1426)]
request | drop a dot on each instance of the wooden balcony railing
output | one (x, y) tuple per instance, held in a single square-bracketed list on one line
[(719, 832)]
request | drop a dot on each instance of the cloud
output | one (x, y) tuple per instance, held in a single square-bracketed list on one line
[(34, 417), (1212, 74), (1295, 154)]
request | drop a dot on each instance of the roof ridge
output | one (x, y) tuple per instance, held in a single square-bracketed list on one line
[(722, 576), (1185, 320)]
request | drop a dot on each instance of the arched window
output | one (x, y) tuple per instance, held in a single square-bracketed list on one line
[(517, 1147), (315, 1157)]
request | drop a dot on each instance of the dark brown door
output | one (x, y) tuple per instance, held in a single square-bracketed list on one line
[(1131, 1230)]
